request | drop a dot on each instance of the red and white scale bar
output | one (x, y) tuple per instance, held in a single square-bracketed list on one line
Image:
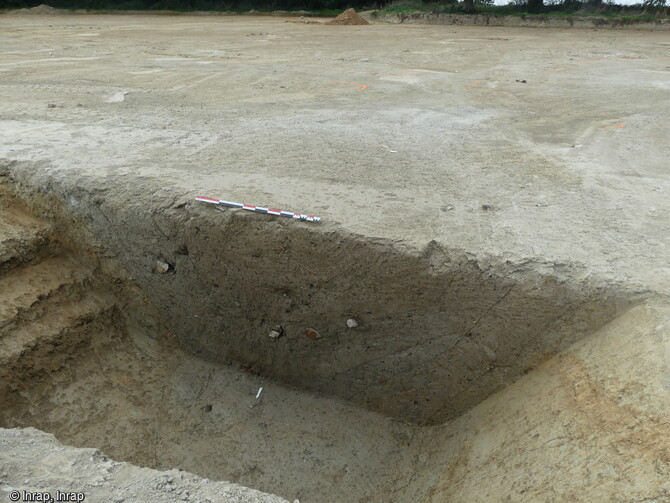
[(258, 209)]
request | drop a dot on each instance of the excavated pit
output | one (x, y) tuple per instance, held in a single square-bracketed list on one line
[(164, 369)]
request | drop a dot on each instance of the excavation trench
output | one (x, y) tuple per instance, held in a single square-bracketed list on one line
[(141, 327)]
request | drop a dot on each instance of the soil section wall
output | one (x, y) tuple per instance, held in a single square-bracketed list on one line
[(438, 329)]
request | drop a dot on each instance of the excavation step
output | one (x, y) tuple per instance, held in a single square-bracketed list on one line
[(47, 330), (21, 236), (22, 288)]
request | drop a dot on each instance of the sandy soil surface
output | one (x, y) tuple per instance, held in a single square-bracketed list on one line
[(506, 142), (34, 463), (542, 150)]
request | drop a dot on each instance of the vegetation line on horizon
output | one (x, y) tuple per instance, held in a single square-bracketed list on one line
[(648, 10)]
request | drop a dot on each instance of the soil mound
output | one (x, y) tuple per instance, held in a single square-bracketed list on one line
[(349, 16), (41, 9)]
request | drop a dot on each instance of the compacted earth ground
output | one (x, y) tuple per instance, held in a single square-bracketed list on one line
[(481, 314)]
